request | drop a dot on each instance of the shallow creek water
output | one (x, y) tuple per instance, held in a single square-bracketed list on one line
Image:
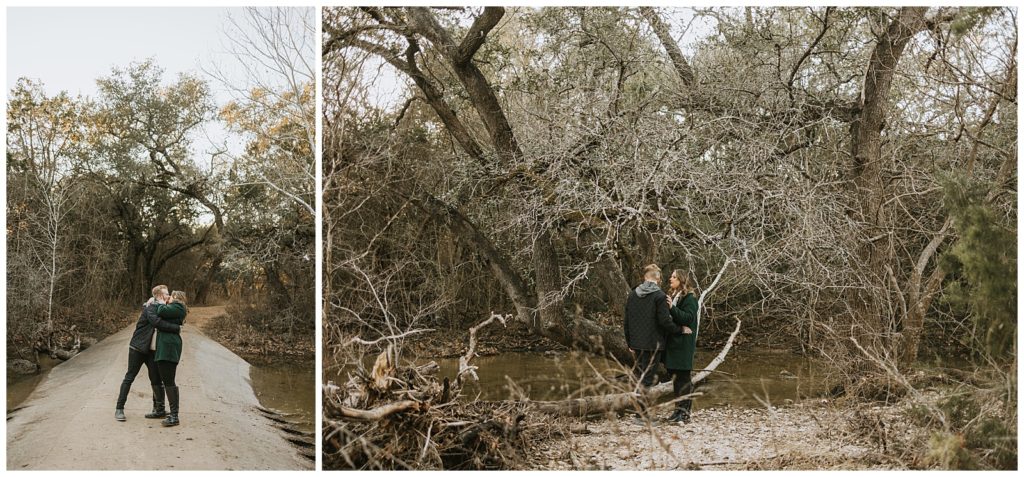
[(747, 379), (20, 387), (289, 388)]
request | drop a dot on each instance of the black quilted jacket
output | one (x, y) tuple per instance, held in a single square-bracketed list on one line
[(144, 328), (647, 321)]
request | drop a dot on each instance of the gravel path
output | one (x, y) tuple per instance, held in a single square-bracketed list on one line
[(800, 436)]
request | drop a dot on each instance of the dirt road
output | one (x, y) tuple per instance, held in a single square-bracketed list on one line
[(68, 421)]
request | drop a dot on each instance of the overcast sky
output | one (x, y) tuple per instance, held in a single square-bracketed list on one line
[(67, 49)]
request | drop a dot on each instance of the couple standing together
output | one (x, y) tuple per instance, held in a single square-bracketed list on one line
[(157, 344), (662, 328)]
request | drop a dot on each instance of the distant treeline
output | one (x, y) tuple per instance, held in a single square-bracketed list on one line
[(113, 194)]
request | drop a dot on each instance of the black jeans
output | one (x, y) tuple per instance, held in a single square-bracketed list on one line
[(135, 361), (645, 365), (681, 386), (167, 371)]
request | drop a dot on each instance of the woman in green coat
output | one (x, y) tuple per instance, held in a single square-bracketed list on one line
[(679, 349), (168, 352)]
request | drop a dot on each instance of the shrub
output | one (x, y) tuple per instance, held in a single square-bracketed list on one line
[(946, 450)]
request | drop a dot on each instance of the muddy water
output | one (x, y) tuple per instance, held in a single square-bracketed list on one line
[(289, 388), (20, 387), (757, 379), (748, 379)]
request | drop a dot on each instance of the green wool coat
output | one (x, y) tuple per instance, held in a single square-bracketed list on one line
[(679, 349), (168, 345)]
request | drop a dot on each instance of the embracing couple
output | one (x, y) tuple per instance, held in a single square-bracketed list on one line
[(157, 344), (662, 328)]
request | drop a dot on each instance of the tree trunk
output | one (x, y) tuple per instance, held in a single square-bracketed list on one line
[(500, 265), (665, 37), (204, 284), (281, 297), (613, 283), (867, 167), (548, 274)]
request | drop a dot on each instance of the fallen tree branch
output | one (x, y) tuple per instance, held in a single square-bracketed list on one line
[(615, 402), (358, 340), (464, 367), (380, 412), (718, 359), (708, 291)]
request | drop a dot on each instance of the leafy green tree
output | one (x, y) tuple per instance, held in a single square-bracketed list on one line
[(983, 265)]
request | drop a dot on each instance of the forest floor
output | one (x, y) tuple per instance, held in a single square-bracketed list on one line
[(258, 347), (68, 421), (808, 435), (255, 346), (200, 316)]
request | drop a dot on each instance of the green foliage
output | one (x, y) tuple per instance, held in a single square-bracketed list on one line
[(983, 264)]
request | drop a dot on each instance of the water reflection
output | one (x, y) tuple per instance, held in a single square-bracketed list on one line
[(749, 379)]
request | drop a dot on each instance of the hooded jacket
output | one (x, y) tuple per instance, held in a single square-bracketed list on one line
[(647, 320)]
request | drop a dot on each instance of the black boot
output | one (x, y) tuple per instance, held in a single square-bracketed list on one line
[(158, 404), (684, 411), (172, 398), (122, 398), (674, 417)]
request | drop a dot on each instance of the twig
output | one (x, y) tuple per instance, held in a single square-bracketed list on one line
[(358, 340)]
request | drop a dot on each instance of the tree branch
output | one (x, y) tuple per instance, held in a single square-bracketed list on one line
[(674, 53), (477, 34)]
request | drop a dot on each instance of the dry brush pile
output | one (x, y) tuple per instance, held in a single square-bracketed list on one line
[(403, 416)]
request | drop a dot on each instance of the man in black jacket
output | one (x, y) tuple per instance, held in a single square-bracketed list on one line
[(647, 323), (139, 353)]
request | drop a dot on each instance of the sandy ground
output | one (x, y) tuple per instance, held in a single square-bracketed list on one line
[(201, 315), (716, 439), (68, 421)]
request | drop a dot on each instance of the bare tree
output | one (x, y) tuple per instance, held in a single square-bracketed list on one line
[(273, 97)]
